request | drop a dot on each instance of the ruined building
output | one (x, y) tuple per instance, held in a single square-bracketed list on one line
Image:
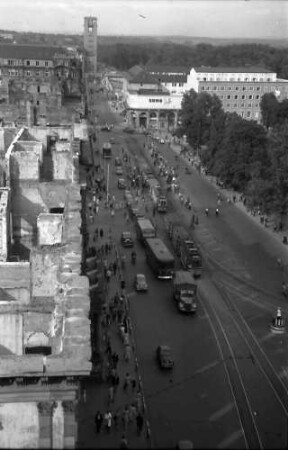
[(44, 298)]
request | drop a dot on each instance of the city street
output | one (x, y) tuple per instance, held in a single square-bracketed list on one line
[(195, 401)]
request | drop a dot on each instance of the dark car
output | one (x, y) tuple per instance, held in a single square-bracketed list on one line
[(122, 183), (126, 239), (129, 130), (118, 161), (119, 170), (164, 357)]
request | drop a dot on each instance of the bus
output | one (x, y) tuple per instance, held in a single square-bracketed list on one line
[(145, 230), (107, 150), (159, 258)]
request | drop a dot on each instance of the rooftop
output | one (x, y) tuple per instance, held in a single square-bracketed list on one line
[(243, 69), (168, 69), (16, 51)]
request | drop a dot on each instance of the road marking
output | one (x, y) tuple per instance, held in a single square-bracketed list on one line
[(207, 367), (221, 412), (230, 439)]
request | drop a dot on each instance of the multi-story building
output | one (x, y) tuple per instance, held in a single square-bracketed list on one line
[(157, 91), (239, 89), (90, 44)]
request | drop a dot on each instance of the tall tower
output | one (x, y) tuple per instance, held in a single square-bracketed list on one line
[(90, 43)]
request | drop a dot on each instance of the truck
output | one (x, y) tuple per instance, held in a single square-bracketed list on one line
[(144, 230), (107, 150), (185, 292)]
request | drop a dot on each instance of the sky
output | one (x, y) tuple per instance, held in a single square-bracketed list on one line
[(198, 18)]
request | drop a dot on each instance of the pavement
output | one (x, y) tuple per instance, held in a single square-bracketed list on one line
[(95, 395)]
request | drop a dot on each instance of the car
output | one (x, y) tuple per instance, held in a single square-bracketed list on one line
[(140, 283), (164, 357), (162, 141), (106, 127), (126, 239), (121, 183), (119, 170), (187, 171), (117, 161), (129, 130)]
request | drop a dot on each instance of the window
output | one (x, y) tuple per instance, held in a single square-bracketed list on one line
[(242, 113), (237, 88), (204, 79), (38, 88), (229, 88), (243, 96), (27, 63), (37, 102), (228, 105), (242, 105), (46, 63), (250, 97), (215, 88), (47, 73), (256, 105), (37, 73), (181, 84), (235, 105), (203, 88), (246, 79), (222, 88), (37, 63), (228, 96), (10, 62), (249, 105), (251, 88), (248, 114), (258, 88), (28, 73), (208, 88), (174, 84), (235, 96), (243, 88), (254, 79)]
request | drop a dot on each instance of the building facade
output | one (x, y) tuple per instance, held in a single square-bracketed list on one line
[(90, 44), (156, 93)]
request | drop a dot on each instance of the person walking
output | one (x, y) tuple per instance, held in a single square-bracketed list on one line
[(98, 421), (140, 423), (125, 418), (123, 442), (108, 421), (110, 394), (127, 380)]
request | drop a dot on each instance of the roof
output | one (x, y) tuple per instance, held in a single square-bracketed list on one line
[(135, 70), (183, 277), (166, 69), (166, 78), (243, 69), (144, 77), (159, 248), (15, 275), (15, 51)]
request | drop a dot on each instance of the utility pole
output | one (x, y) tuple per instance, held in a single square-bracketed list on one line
[(107, 187)]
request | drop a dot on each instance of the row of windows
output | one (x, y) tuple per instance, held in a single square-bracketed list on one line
[(155, 100), (241, 105), (234, 79), (242, 97), (233, 88), (28, 62), (15, 73)]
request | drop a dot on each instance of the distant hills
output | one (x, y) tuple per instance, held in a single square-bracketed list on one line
[(77, 39)]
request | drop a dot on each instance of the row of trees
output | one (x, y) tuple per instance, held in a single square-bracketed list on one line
[(245, 155), (124, 56)]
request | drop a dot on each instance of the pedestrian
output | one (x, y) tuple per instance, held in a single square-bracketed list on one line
[(132, 412), (108, 275), (101, 233), (123, 442), (108, 320), (133, 384), (110, 395), (125, 418), (140, 423), (127, 353), (116, 419), (127, 380), (98, 421), (114, 268), (108, 349), (108, 421)]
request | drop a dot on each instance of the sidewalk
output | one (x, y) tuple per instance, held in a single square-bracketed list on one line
[(117, 338)]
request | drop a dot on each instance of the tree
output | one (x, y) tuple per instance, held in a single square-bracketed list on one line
[(269, 110)]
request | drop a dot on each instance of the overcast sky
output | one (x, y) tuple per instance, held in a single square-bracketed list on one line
[(211, 18)]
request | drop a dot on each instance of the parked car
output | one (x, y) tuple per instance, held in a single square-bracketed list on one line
[(162, 141), (126, 239), (129, 130), (122, 183), (119, 170), (164, 357), (140, 283)]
